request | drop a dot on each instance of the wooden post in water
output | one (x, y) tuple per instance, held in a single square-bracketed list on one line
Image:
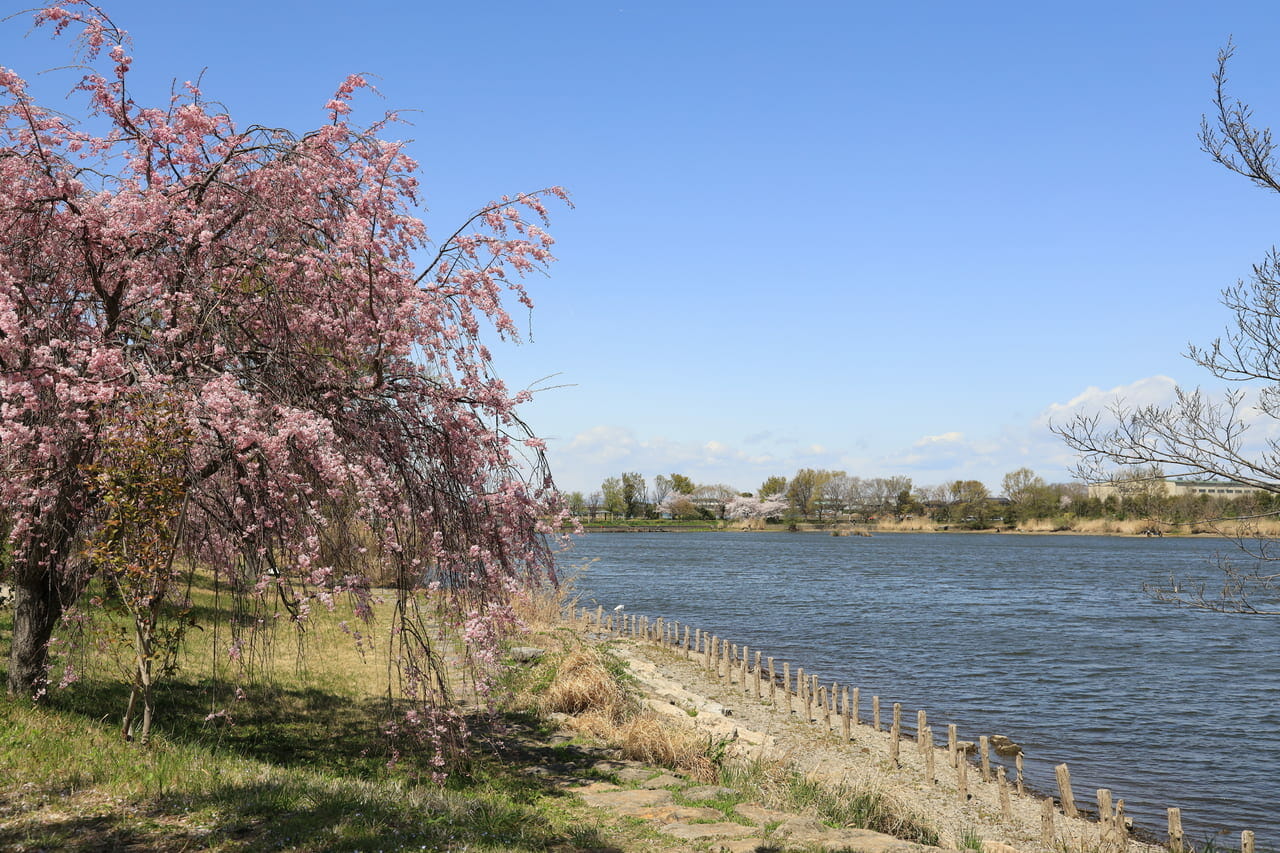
[(984, 750), (1121, 831), (857, 704), (742, 670), (922, 723), (1246, 841), (875, 712), (846, 725), (962, 777), (773, 684), (1064, 791), (951, 743), (756, 670), (1175, 830), (1017, 761), (685, 644), (808, 702), (1046, 822), (800, 686)]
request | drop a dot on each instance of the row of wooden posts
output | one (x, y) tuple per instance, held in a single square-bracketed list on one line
[(834, 704)]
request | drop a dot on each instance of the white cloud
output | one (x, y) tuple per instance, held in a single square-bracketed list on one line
[(1151, 391), (945, 438), (938, 457)]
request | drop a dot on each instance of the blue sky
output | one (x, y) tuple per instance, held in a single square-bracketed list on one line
[(885, 238)]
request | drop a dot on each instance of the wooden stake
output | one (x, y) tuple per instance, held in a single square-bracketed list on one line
[(1017, 761), (929, 755), (856, 704), (921, 725), (952, 749), (1106, 822), (1064, 790), (773, 685), (756, 670), (786, 686), (1005, 805), (1246, 841), (962, 777), (984, 750), (1046, 822), (846, 725), (1175, 830), (895, 733), (875, 712)]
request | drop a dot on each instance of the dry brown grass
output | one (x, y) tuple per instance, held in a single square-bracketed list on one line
[(591, 691), (583, 684), (647, 737)]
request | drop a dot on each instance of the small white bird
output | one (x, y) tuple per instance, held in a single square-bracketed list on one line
[(619, 607)]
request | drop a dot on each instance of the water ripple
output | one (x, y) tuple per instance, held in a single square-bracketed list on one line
[(1049, 640)]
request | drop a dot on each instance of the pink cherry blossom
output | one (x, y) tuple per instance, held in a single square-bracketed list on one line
[(280, 290)]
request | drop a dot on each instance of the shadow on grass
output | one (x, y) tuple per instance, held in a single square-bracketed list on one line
[(287, 727), (299, 814), (324, 782)]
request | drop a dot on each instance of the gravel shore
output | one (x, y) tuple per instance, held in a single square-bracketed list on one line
[(676, 683)]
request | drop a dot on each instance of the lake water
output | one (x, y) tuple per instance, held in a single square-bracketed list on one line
[(1047, 639)]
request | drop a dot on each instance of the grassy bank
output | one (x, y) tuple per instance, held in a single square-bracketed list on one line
[(298, 758)]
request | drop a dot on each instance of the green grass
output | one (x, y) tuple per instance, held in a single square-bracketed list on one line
[(301, 763), (840, 806)]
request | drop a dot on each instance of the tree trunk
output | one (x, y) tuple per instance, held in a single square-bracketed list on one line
[(45, 583), (37, 607)]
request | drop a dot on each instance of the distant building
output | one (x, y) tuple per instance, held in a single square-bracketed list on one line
[(1171, 488)]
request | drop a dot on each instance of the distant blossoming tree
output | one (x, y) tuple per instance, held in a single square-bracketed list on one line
[(742, 507), (279, 296)]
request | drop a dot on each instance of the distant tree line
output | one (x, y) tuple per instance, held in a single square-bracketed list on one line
[(825, 496)]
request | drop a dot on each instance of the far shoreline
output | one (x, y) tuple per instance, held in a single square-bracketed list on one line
[(866, 531)]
